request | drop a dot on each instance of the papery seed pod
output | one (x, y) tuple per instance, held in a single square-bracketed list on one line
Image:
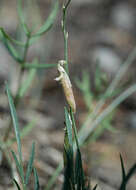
[(67, 86)]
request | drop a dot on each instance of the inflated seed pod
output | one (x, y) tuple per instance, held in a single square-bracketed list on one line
[(67, 86)]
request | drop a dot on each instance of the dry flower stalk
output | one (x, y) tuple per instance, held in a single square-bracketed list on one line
[(66, 84)]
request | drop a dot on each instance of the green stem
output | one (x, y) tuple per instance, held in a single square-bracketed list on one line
[(65, 33)]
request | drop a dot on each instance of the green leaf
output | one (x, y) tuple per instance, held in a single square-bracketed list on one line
[(49, 22), (68, 167), (12, 40), (22, 18), (15, 121), (13, 52), (68, 127), (17, 185), (68, 154), (19, 166), (95, 187), (38, 66), (126, 177), (79, 173), (36, 180), (30, 164), (122, 168)]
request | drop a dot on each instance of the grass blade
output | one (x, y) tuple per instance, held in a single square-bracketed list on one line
[(122, 168), (49, 22), (68, 126), (12, 51), (12, 40), (17, 185), (19, 166), (36, 180), (130, 173), (68, 155), (30, 164), (95, 187), (79, 173), (38, 66), (15, 121), (21, 16)]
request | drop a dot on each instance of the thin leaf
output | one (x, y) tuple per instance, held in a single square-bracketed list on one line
[(18, 165), (68, 155), (68, 170), (128, 176), (17, 185), (15, 121), (30, 164), (79, 173), (12, 40), (22, 18), (122, 168), (68, 126), (95, 187), (38, 66), (68, 151), (36, 180), (49, 22), (13, 52)]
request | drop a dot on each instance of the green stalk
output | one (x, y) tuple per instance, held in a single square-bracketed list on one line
[(65, 33)]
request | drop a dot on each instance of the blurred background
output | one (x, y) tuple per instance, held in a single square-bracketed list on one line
[(102, 34)]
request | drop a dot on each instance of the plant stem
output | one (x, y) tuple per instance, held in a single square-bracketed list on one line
[(17, 97), (65, 33)]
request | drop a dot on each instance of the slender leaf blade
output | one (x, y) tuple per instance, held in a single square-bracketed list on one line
[(18, 165), (125, 181), (49, 22), (95, 187), (15, 121), (79, 173), (122, 168), (12, 51), (30, 164), (68, 126), (36, 180), (21, 16), (12, 40), (17, 185), (38, 66)]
